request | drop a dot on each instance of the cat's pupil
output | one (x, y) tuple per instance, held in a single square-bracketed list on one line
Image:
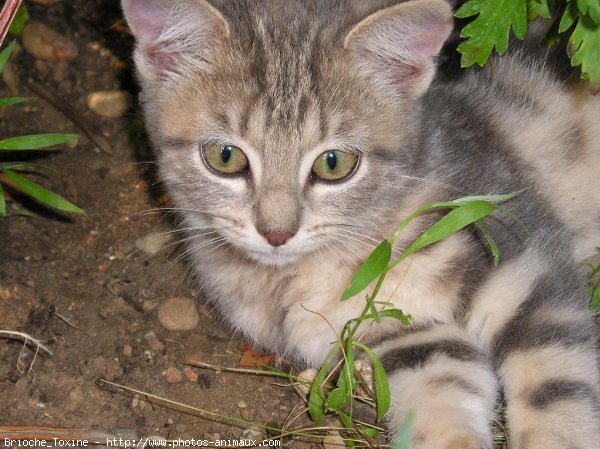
[(226, 153), (331, 159)]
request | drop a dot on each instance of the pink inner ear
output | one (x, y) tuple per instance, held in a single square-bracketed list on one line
[(145, 18), (429, 41)]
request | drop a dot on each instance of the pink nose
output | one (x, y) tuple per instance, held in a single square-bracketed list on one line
[(276, 238)]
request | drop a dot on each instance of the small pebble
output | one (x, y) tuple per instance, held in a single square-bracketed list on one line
[(109, 103), (10, 76), (194, 357), (153, 242), (333, 440), (191, 375), (178, 314), (253, 433), (308, 376), (242, 404), (44, 43), (173, 375), (155, 344), (127, 350)]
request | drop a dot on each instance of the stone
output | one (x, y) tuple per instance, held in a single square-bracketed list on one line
[(44, 43), (109, 103), (178, 314), (333, 440), (191, 375), (173, 375), (306, 377)]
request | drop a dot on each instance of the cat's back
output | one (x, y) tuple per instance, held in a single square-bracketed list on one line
[(519, 107)]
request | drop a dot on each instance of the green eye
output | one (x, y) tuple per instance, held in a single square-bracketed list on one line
[(334, 165), (227, 159)]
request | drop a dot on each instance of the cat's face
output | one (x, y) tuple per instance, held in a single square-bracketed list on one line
[(278, 134)]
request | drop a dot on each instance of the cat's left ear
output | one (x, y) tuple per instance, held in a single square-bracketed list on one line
[(398, 45)]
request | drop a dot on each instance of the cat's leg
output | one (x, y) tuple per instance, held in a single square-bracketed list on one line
[(443, 377), (541, 337)]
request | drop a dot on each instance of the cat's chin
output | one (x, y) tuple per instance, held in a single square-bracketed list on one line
[(276, 258)]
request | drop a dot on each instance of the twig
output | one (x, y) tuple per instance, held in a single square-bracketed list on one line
[(6, 17), (73, 115), (28, 339)]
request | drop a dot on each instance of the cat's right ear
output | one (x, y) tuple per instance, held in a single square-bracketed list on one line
[(398, 45), (172, 34)]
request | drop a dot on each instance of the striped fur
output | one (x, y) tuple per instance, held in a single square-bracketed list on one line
[(285, 80)]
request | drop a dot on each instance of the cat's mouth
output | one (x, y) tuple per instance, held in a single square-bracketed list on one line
[(275, 257)]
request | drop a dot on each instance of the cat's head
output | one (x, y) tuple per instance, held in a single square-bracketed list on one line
[(285, 126)]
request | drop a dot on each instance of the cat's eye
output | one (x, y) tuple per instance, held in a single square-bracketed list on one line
[(334, 165), (224, 159)]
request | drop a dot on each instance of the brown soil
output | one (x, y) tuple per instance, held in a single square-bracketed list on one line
[(87, 271)]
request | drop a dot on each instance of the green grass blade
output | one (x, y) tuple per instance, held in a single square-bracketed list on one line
[(483, 227), (35, 142), (2, 202), (316, 399), (9, 101), (404, 435), (452, 222), (489, 198), (382, 387), (391, 313), (369, 270), (41, 194), (22, 165), (5, 54), (19, 21), (595, 303)]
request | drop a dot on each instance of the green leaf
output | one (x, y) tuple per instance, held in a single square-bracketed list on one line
[(19, 21), (374, 313), (337, 398), (371, 432), (2, 203), (584, 48), (36, 141), (489, 198), (595, 303), (537, 8), (404, 435), (316, 399), (42, 195), (369, 270), (491, 28), (591, 8), (382, 387), (483, 227), (569, 17), (9, 101), (391, 313), (452, 222), (5, 54), (22, 165)]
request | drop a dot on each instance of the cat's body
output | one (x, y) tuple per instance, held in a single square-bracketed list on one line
[(275, 245)]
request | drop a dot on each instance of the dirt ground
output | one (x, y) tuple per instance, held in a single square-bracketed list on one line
[(78, 283)]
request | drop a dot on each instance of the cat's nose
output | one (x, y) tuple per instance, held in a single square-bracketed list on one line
[(276, 238)]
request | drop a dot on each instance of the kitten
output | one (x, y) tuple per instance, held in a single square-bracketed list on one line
[(293, 135)]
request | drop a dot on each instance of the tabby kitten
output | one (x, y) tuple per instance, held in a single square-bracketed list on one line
[(293, 135)]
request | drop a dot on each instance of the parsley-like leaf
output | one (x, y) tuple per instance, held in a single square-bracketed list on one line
[(491, 28), (584, 49)]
